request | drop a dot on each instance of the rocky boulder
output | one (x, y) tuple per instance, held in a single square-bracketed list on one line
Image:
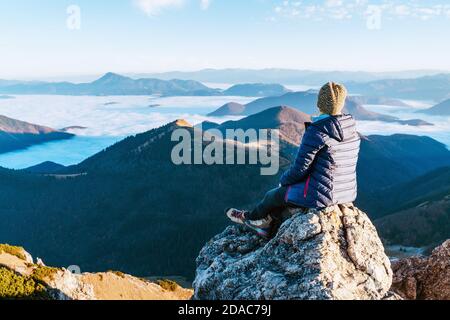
[(334, 254), (424, 278)]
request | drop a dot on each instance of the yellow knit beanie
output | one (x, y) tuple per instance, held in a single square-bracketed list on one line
[(332, 98)]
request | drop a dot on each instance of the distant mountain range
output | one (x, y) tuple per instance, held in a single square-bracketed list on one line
[(256, 90), (420, 85), (113, 84), (5, 83), (16, 134), (131, 195), (441, 109), (379, 101), (307, 103), (5, 97), (382, 88), (434, 87), (286, 76)]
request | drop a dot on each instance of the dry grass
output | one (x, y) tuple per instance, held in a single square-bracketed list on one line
[(19, 252)]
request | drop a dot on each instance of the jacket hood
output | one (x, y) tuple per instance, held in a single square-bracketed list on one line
[(336, 127)]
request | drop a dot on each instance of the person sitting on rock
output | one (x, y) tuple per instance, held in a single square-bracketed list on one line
[(324, 171)]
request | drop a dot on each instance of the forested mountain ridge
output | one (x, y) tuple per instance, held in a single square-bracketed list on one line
[(431, 186), (16, 134), (385, 161), (132, 196), (424, 225)]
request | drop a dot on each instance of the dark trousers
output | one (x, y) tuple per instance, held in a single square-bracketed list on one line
[(274, 203)]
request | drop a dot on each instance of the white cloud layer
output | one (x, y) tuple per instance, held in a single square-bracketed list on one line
[(347, 9), (113, 115)]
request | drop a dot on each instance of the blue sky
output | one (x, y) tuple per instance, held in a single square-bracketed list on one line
[(161, 35)]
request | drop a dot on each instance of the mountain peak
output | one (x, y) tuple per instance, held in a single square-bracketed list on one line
[(182, 123), (441, 109), (283, 109), (284, 114), (47, 167), (111, 77), (230, 108), (290, 122)]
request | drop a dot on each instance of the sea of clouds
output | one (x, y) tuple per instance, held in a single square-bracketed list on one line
[(113, 115), (110, 119), (107, 120), (439, 131)]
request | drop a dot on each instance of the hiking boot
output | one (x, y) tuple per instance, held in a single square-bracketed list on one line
[(235, 215), (262, 232), (262, 227), (263, 223)]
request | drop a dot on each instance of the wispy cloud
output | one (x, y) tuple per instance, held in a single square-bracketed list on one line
[(347, 9), (156, 7), (204, 4)]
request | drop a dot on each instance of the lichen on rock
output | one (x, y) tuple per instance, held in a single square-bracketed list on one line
[(330, 254)]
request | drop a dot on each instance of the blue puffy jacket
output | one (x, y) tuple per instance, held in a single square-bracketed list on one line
[(324, 172)]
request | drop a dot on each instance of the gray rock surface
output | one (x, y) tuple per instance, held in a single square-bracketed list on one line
[(331, 254)]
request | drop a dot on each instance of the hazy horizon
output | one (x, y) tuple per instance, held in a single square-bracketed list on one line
[(94, 76)]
